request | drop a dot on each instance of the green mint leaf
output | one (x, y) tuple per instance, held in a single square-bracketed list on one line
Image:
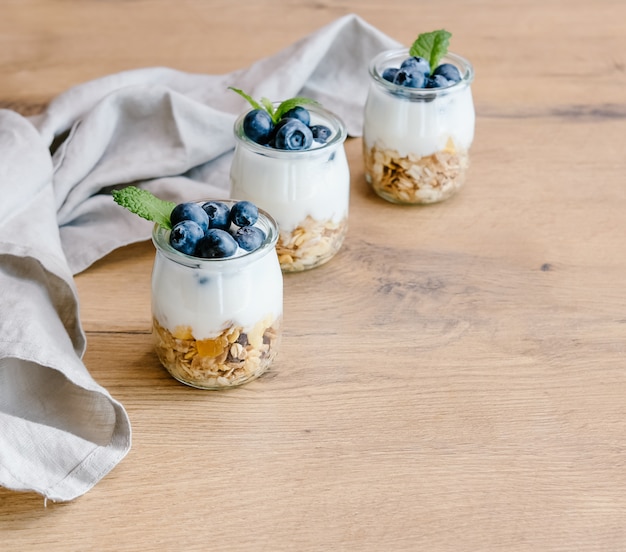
[(275, 112), (248, 98), (145, 204), (291, 103), (431, 46), (269, 107)]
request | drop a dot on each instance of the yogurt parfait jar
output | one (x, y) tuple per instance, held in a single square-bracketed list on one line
[(307, 191), (416, 141), (217, 321)]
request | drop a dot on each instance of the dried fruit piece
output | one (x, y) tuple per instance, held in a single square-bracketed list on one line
[(210, 347)]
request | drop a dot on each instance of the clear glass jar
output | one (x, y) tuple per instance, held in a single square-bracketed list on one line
[(306, 191), (217, 322), (416, 141)]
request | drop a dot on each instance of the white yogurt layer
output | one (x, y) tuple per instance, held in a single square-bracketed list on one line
[(209, 300), (418, 127), (211, 295), (291, 185)]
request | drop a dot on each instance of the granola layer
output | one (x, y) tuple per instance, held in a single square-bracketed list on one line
[(310, 244), (413, 179), (229, 359)]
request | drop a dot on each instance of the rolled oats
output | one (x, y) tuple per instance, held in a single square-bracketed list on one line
[(310, 244), (229, 359), (415, 179)]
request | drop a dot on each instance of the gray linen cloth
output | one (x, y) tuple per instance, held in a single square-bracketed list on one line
[(158, 128)]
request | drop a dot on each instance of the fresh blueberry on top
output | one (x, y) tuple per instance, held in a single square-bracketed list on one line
[(244, 213), (216, 244), (416, 63), (321, 133), (409, 78), (300, 113), (249, 237), (437, 81), (292, 134), (258, 126), (449, 71), (219, 214), (185, 236), (190, 211), (389, 74)]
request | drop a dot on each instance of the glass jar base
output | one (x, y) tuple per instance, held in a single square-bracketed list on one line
[(232, 358), (311, 244), (415, 180)]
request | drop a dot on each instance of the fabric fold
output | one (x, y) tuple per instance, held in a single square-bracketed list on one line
[(140, 126), (54, 417), (158, 128)]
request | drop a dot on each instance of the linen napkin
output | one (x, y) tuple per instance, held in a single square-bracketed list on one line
[(158, 128)]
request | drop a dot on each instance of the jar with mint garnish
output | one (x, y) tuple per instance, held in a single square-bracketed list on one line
[(290, 160), (418, 122), (217, 288)]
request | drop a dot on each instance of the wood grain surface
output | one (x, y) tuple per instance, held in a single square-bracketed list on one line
[(455, 379)]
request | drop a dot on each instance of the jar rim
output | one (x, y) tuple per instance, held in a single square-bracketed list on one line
[(383, 59), (338, 137), (160, 239)]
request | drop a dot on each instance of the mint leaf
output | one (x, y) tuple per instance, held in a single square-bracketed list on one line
[(248, 98), (267, 105), (291, 103), (431, 46), (145, 204)]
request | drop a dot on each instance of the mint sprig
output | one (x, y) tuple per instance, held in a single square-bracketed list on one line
[(275, 112), (145, 204), (431, 46)]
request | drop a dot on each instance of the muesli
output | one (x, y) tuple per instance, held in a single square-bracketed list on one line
[(415, 179), (228, 359), (310, 243)]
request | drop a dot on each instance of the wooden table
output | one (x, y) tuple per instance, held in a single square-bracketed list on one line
[(455, 379)]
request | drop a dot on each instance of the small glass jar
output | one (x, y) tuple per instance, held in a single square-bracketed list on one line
[(217, 322), (306, 191), (416, 141)]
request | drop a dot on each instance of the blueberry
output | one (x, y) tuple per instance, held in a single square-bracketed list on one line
[(437, 81), (185, 236), (216, 244), (449, 71), (409, 78), (219, 214), (321, 133), (249, 237), (258, 126), (300, 113), (390, 73), (190, 211), (416, 63), (244, 213), (293, 135)]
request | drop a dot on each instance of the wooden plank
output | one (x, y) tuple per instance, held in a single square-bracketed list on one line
[(453, 380)]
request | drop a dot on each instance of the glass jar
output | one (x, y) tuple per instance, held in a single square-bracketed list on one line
[(306, 191), (416, 140), (217, 322)]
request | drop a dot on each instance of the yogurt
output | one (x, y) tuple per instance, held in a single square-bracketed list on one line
[(306, 191), (216, 322), (416, 141)]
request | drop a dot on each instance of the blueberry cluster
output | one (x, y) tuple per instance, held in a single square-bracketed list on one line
[(293, 131), (213, 230), (414, 72)]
